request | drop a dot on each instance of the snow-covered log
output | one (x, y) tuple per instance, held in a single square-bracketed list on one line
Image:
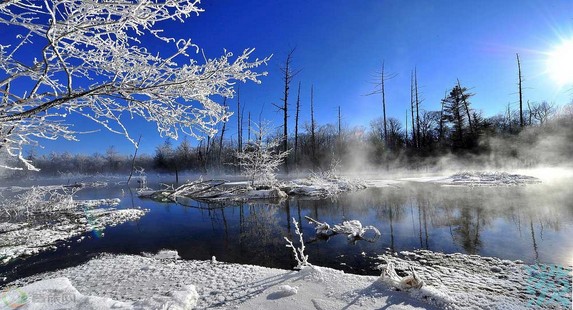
[(353, 229), (392, 279), (212, 190)]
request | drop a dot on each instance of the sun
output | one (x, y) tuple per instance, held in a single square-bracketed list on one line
[(560, 63)]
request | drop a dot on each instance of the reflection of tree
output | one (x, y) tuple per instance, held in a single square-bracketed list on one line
[(389, 204), (467, 232), (463, 212), (425, 201), (260, 232)]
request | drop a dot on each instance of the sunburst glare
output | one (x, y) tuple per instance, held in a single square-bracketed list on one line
[(560, 63)]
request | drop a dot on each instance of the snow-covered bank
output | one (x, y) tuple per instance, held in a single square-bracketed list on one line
[(31, 231), (220, 190), (318, 186), (139, 282), (452, 281), (461, 281), (465, 178), (489, 179)]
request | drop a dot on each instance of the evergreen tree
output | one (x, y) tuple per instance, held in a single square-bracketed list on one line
[(455, 113)]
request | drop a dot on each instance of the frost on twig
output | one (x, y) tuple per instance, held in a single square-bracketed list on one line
[(86, 58), (299, 256), (260, 159)]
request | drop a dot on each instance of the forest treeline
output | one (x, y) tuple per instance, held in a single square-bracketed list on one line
[(540, 134)]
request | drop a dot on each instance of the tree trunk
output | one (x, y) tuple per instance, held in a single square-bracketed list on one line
[(239, 137), (296, 126), (222, 137), (414, 141), (441, 126), (466, 107), (384, 106), (520, 93), (312, 127), (417, 109)]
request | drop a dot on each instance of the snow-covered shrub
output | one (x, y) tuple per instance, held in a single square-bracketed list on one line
[(299, 256), (260, 159), (40, 199)]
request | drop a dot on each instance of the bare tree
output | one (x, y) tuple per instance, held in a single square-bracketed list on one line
[(412, 102), (312, 127), (382, 77), (441, 124), (520, 92), (222, 137), (296, 118), (239, 122), (85, 58), (543, 111), (249, 127), (288, 75), (417, 107)]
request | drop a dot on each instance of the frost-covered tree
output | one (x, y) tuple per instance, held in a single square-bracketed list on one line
[(65, 57), (260, 159)]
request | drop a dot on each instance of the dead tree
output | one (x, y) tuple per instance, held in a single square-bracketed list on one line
[(414, 140), (441, 125), (406, 127), (312, 127), (222, 136), (249, 128), (239, 129), (297, 113), (288, 75), (417, 108), (520, 92), (380, 89)]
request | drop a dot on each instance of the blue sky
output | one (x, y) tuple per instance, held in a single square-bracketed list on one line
[(340, 45)]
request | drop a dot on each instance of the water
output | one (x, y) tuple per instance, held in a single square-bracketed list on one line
[(530, 223)]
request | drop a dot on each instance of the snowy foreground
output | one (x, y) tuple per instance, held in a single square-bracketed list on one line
[(161, 281)]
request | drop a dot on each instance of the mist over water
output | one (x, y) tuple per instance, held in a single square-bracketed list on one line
[(532, 223)]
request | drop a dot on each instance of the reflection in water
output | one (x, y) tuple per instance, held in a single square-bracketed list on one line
[(531, 223)]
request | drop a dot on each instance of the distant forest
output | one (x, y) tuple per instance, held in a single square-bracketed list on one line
[(540, 134)]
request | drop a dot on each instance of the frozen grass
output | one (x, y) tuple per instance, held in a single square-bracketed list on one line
[(37, 219)]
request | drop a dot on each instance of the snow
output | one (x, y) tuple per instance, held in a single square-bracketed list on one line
[(28, 238), (53, 294), (460, 281), (442, 281), (352, 228), (317, 186), (464, 178), (154, 282), (272, 193), (489, 179)]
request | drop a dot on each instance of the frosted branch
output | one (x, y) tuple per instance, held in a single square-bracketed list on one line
[(90, 62)]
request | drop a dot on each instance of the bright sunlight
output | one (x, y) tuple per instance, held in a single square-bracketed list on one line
[(560, 63)]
